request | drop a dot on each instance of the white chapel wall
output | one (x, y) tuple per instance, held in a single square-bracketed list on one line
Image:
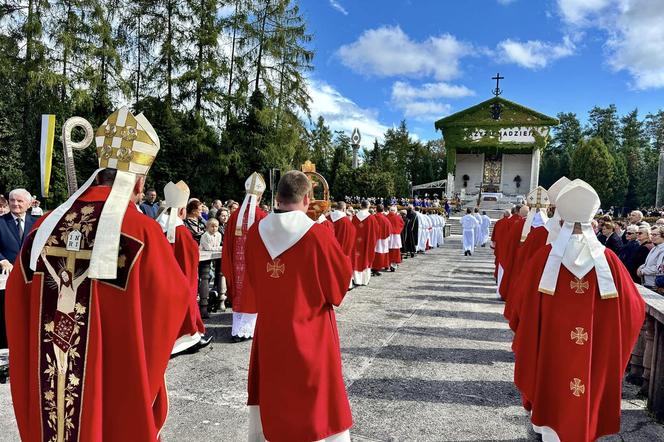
[(471, 165), (513, 165)]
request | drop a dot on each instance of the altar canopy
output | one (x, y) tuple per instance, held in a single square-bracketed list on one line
[(494, 146)]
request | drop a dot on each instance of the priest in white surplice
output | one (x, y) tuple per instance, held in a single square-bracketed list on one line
[(485, 227), (478, 228), (469, 225), (422, 231)]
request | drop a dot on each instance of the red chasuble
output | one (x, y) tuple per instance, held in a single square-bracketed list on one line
[(365, 242), (93, 369), (345, 233), (535, 241), (396, 226), (295, 367), (512, 245), (382, 260), (498, 236), (187, 255), (572, 349), (233, 257)]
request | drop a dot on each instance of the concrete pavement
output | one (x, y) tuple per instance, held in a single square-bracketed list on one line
[(426, 356)]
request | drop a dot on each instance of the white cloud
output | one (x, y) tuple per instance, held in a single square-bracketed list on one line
[(336, 5), (534, 54), (506, 2), (405, 91), (581, 11), (422, 103), (634, 34), (387, 51), (341, 113)]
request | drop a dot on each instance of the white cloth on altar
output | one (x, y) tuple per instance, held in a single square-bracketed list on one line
[(244, 324), (256, 429)]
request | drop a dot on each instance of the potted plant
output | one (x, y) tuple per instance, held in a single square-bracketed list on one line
[(517, 180), (465, 179)]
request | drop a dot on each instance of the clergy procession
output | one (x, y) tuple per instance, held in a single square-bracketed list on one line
[(101, 295), (295, 221)]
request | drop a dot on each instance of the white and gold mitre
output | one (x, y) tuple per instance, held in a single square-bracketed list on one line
[(538, 198), (555, 189), (176, 195), (126, 142), (255, 184), (578, 202)]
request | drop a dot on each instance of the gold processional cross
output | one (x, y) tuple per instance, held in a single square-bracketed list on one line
[(71, 253)]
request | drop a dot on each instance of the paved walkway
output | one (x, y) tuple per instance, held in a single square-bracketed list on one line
[(426, 357)]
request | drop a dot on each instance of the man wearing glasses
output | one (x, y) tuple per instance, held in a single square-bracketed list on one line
[(649, 269)]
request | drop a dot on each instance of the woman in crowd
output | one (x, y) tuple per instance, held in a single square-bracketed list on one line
[(649, 269), (193, 220), (641, 253), (222, 216)]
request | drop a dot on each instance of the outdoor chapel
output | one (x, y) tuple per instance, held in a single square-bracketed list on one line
[(330, 221)]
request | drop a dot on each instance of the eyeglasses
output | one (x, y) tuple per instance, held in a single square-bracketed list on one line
[(655, 234)]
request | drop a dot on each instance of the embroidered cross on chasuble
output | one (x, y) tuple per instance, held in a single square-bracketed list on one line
[(65, 303)]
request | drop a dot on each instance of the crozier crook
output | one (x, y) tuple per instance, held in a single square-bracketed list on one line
[(68, 146)]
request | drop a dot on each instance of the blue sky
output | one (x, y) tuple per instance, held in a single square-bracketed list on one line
[(380, 61)]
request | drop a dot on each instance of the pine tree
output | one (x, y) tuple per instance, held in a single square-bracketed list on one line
[(590, 157), (632, 146)]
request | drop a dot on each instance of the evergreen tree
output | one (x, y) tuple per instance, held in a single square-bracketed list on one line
[(590, 157), (633, 143), (320, 143)]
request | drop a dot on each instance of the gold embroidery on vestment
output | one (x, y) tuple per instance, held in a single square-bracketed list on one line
[(579, 335), (577, 387), (276, 268), (579, 285)]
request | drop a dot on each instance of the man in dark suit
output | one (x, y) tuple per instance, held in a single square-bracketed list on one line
[(14, 227), (613, 241)]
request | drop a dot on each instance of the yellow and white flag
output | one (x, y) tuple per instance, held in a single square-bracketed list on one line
[(46, 151)]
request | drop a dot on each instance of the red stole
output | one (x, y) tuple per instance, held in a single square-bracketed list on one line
[(345, 233), (233, 257)]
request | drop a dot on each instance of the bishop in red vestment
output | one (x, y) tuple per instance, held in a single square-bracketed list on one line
[(94, 305), (382, 256), (233, 255), (580, 317), (187, 255), (498, 237), (512, 245), (396, 227), (533, 236), (539, 236), (367, 233), (296, 274)]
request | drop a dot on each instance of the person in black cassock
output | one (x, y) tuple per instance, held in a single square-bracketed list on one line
[(411, 229)]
